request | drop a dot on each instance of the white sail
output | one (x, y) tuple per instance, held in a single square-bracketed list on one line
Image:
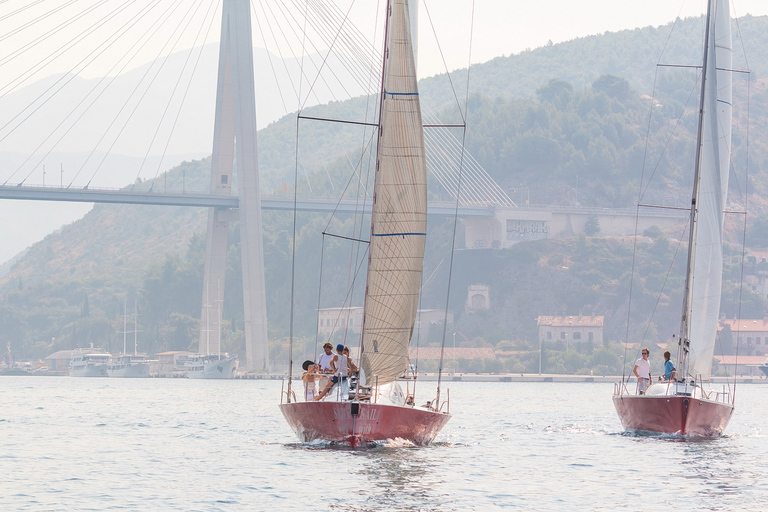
[(713, 186), (399, 219)]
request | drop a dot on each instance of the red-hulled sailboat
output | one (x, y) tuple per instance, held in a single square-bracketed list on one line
[(380, 408), (687, 405)]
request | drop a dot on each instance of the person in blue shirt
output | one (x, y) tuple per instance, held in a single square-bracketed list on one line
[(669, 369)]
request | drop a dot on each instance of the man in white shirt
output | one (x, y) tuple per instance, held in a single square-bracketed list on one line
[(642, 371)]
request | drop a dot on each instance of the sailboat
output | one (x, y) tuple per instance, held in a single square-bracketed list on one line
[(129, 365), (380, 409), (687, 405), (208, 365)]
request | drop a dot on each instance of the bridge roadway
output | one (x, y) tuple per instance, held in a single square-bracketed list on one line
[(126, 196)]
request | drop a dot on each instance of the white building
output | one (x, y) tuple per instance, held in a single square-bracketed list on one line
[(571, 329)]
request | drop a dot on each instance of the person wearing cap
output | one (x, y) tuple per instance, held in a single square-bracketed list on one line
[(642, 371), (326, 359), (340, 370)]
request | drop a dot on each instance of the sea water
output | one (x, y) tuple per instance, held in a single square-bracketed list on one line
[(177, 444)]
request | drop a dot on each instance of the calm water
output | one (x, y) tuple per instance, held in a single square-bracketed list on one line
[(176, 444)]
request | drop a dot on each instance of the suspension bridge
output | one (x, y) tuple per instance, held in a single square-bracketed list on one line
[(91, 40)]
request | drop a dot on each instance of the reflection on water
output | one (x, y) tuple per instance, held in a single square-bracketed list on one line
[(396, 476)]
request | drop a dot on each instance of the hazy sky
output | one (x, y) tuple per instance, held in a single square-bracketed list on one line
[(504, 27), (501, 27)]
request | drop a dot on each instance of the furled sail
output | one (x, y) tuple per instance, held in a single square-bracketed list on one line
[(713, 186), (399, 218)]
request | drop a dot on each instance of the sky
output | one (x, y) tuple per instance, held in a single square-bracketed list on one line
[(499, 27)]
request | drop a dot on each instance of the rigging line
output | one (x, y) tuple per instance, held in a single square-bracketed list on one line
[(328, 120), (304, 38), (135, 89), (669, 140), (351, 40), (279, 51), (126, 27), (293, 260), (189, 81), (303, 103), (343, 39), (72, 111), (8, 58), (20, 9), (157, 25), (34, 21), (70, 75), (663, 285), (445, 65), (455, 213), (357, 171), (358, 46), (744, 229), (269, 58), (30, 72), (175, 85), (303, 52), (323, 24), (313, 93)]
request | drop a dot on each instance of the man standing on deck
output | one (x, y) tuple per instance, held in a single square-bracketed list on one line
[(642, 371)]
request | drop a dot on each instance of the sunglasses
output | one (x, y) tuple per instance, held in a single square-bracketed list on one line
[(645, 353)]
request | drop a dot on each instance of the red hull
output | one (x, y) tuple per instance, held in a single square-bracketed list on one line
[(673, 414), (335, 421)]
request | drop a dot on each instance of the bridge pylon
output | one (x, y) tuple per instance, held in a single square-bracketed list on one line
[(234, 150)]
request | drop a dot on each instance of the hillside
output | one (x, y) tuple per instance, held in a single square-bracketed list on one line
[(572, 132)]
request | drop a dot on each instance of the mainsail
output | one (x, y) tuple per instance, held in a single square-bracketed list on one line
[(707, 268), (399, 218)]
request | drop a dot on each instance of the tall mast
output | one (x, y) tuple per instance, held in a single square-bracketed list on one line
[(125, 322), (378, 151), (684, 341)]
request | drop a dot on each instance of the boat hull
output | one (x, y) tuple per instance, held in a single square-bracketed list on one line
[(362, 423), (673, 414), (99, 370), (140, 370), (224, 369)]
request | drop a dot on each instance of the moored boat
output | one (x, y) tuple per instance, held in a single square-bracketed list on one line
[(89, 362), (210, 366)]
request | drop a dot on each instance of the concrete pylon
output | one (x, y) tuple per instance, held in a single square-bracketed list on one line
[(234, 148)]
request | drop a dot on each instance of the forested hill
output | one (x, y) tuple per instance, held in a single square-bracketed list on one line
[(565, 123), (630, 54)]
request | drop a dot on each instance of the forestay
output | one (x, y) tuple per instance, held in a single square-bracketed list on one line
[(399, 218)]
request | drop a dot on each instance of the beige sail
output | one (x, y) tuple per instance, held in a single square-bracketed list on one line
[(399, 219)]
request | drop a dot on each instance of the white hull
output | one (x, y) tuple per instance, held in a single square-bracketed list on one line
[(139, 370), (223, 369), (98, 370)]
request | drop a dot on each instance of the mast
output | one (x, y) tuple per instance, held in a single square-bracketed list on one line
[(135, 328), (125, 322), (399, 215), (703, 284)]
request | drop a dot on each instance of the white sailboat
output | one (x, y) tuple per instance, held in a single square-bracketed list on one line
[(127, 365), (384, 406), (208, 365), (687, 405)]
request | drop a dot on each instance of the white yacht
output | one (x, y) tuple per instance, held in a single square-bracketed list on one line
[(210, 366), (129, 365), (89, 362)]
